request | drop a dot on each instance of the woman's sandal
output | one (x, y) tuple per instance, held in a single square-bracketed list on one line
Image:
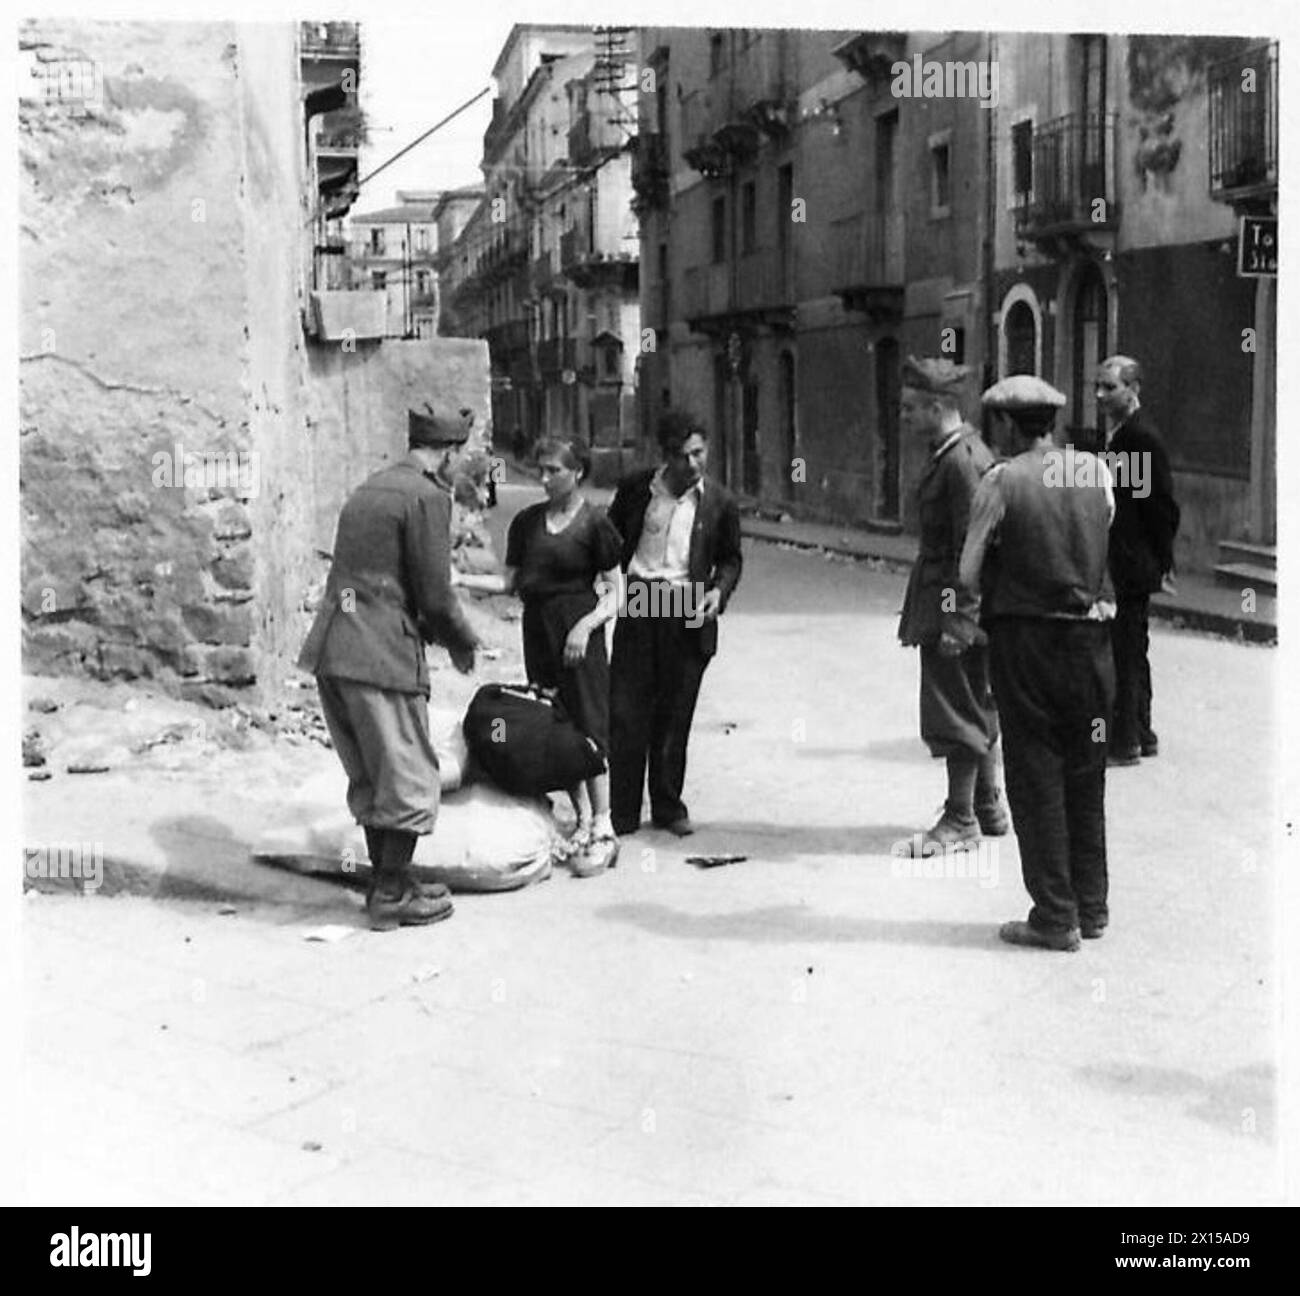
[(599, 854)]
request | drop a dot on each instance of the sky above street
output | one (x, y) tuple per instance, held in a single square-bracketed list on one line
[(413, 74)]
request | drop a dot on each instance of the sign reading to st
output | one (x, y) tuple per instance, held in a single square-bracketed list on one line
[(1257, 247)]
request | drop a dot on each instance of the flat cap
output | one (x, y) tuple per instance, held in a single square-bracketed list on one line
[(939, 376), (1023, 392), (436, 430)]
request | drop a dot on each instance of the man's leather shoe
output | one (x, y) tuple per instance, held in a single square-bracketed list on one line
[(1023, 933), (1091, 930), (1126, 756), (679, 827), (1151, 748), (413, 908), (992, 817)]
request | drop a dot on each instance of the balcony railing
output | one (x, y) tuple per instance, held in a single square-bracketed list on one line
[(1243, 125), (1074, 176), (554, 355), (871, 252), (763, 280), (706, 291)]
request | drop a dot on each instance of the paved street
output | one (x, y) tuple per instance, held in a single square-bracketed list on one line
[(801, 1027)]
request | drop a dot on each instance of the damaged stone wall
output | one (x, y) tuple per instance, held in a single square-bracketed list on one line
[(184, 448), (133, 336)]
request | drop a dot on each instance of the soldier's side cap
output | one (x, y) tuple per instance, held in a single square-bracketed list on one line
[(939, 376), (1023, 392), (434, 430)]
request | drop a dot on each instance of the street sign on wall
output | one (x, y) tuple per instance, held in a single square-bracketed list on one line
[(1257, 247)]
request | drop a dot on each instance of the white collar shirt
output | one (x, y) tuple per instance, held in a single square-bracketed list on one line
[(664, 550)]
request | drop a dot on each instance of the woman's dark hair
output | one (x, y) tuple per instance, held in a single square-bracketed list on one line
[(573, 452), (675, 428)]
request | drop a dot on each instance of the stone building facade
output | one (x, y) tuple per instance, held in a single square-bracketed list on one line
[(809, 216), (546, 267)]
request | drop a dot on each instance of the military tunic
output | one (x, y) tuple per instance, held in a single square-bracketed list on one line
[(388, 593)]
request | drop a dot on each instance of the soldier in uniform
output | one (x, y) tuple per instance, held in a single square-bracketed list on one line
[(388, 594), (1037, 545), (958, 718)]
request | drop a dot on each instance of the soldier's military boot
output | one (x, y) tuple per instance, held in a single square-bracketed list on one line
[(396, 899)]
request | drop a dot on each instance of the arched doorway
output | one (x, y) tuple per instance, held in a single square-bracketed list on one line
[(1089, 343)]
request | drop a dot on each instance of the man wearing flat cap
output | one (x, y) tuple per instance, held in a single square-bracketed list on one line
[(1036, 551), (958, 720), (388, 594)]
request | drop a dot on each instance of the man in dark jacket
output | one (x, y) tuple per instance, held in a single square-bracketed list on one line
[(1141, 550), (958, 718), (388, 594), (681, 552)]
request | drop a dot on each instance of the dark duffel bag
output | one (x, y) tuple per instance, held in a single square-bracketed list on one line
[(523, 740)]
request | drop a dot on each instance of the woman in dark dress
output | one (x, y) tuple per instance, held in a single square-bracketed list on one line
[(562, 559)]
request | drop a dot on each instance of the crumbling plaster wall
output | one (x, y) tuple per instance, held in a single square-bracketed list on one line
[(133, 335)]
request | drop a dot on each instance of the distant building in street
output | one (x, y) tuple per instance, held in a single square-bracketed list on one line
[(394, 251), (1123, 163), (451, 210), (803, 231), (546, 266), (809, 216)]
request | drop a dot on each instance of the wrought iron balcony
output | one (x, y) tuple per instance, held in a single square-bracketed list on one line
[(706, 291), (763, 282), (1074, 178), (1243, 124), (871, 252)]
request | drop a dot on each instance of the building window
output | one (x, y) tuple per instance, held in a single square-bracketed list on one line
[(422, 282), (717, 53), (611, 362), (719, 228), (1022, 162), (748, 217), (421, 238), (940, 175), (377, 241), (378, 280)]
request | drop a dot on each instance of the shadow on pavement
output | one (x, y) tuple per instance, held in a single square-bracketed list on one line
[(1240, 1101), (795, 924)]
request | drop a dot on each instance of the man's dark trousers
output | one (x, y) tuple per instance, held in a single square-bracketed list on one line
[(655, 679), (1054, 681), (1130, 639)]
